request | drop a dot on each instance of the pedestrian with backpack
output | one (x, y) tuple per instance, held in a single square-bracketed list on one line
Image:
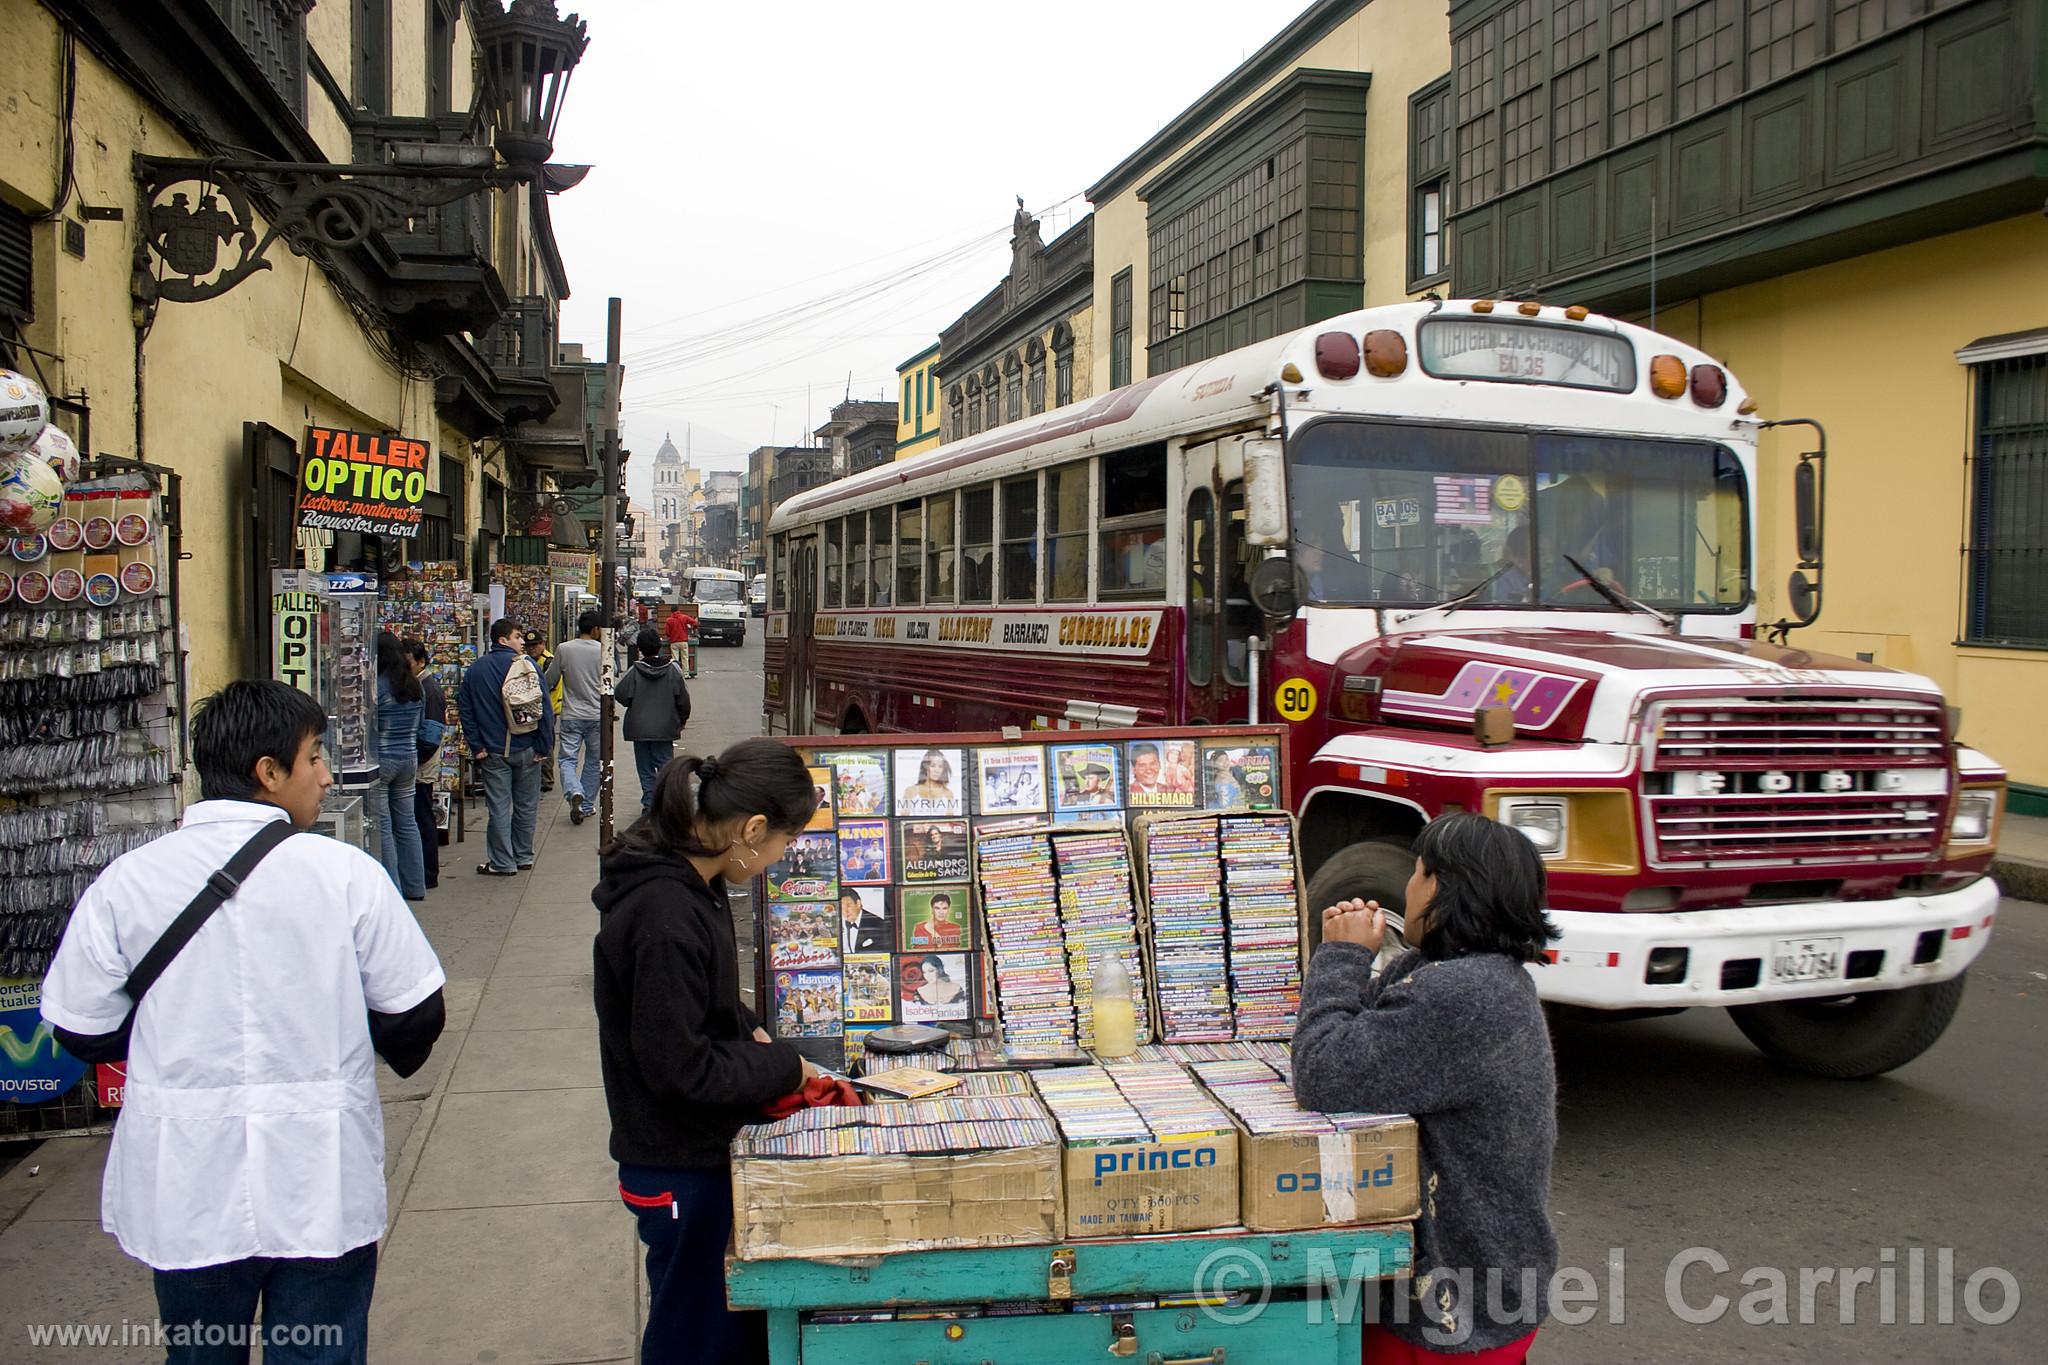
[(657, 703), (509, 728)]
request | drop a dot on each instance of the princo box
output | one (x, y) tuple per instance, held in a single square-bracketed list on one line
[(1181, 1177), (1309, 1180), (917, 1175)]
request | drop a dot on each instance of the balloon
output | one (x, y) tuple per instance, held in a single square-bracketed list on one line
[(56, 449), (31, 494), (24, 411)]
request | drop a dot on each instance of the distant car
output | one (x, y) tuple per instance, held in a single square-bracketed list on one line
[(757, 595)]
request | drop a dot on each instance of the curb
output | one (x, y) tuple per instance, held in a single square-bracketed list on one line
[(2021, 879)]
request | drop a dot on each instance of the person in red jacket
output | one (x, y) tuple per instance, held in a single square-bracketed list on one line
[(679, 627)]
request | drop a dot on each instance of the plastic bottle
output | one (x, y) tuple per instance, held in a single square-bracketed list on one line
[(1116, 1015)]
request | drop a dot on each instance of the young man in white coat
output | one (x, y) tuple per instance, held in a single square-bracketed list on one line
[(248, 1166)]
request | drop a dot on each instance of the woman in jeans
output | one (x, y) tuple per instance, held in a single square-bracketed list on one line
[(400, 706)]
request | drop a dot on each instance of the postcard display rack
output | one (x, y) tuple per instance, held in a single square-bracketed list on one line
[(435, 604), (88, 726), (972, 881)]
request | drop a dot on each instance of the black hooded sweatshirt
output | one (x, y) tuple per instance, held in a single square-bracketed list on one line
[(682, 1069)]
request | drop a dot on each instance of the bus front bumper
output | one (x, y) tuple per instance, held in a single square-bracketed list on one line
[(1754, 954)]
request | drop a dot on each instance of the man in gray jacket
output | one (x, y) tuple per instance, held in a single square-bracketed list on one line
[(657, 703), (576, 667)]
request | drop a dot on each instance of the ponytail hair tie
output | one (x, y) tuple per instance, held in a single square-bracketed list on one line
[(707, 768)]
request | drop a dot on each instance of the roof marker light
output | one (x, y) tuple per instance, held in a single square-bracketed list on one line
[(1386, 354), (1667, 376), (1337, 355), (1577, 312), (1482, 306), (1530, 309), (1290, 373), (1709, 386)]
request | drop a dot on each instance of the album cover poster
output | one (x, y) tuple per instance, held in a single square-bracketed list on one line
[(1085, 777), (1161, 774), (807, 871), (933, 850), (821, 782), (1242, 775), (865, 922), (870, 989), (807, 1004), (864, 853), (860, 781), (932, 986), (802, 934), (933, 918), (929, 782), (1012, 780)]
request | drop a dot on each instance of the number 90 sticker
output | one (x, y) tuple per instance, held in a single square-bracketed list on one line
[(1295, 699)]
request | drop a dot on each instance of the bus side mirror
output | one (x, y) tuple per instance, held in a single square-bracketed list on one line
[(1802, 595), (1273, 589), (1265, 492), (1806, 511)]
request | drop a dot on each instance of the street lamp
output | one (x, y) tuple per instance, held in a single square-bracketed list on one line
[(529, 53)]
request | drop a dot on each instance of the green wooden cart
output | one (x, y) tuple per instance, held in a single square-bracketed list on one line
[(1171, 1300)]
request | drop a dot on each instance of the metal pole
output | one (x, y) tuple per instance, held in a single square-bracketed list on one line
[(608, 585)]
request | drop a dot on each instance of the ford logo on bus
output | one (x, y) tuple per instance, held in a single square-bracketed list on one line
[(1159, 1159), (1312, 1182)]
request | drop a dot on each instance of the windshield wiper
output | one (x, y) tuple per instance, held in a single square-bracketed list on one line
[(1452, 604), (1618, 597)]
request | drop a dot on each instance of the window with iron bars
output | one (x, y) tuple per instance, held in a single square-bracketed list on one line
[(2008, 561)]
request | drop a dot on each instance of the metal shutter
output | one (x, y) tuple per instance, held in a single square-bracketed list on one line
[(17, 265)]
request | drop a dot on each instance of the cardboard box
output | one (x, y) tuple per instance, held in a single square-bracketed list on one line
[(1310, 1180), (1129, 1189), (792, 1207)]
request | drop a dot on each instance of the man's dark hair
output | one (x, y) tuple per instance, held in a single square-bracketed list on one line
[(754, 777), (1489, 890), (587, 623), (502, 628), (650, 644), (417, 649), (1152, 749), (245, 722), (942, 896)]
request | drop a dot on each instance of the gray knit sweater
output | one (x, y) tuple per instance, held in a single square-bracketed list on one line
[(1461, 1045)]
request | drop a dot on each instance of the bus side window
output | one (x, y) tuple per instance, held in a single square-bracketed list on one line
[(857, 560), (978, 544), (1066, 532), (779, 579), (881, 550), (1240, 617), (1201, 587), (834, 534), (938, 548), (909, 553), (1020, 539)]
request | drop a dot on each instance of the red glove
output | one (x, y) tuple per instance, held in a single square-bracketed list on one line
[(819, 1092)]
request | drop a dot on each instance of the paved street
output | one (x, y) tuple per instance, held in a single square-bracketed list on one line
[(508, 1243), (509, 1246)]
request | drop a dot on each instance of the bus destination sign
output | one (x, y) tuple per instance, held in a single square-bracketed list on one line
[(1526, 353)]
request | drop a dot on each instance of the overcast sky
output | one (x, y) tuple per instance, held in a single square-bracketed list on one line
[(841, 173)]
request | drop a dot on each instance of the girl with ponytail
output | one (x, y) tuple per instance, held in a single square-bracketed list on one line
[(686, 1063)]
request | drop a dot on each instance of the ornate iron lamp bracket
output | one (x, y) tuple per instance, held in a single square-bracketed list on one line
[(200, 219)]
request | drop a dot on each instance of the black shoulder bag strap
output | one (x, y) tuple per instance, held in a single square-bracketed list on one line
[(219, 888)]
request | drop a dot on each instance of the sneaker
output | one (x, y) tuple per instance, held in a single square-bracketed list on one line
[(526, 867), (577, 814), (486, 870)]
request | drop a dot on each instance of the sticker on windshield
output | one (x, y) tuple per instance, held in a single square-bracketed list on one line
[(1388, 513), (1464, 500), (1510, 493)]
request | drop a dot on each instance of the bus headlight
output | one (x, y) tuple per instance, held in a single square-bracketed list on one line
[(1541, 820), (1971, 823)]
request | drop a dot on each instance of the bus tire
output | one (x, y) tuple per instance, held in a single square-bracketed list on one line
[(1372, 871), (1852, 1037)]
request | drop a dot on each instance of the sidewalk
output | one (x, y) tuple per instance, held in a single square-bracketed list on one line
[(507, 1243), (2021, 866)]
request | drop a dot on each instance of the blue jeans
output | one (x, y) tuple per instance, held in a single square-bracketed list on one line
[(315, 1311), (512, 797), (580, 760), (398, 827), (648, 756), (685, 1222)]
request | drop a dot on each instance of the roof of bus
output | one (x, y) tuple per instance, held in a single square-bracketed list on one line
[(1232, 390), (713, 573)]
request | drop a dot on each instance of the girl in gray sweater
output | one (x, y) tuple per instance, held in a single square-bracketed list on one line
[(1453, 1034)]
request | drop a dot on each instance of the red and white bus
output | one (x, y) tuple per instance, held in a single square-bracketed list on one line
[(1478, 556)]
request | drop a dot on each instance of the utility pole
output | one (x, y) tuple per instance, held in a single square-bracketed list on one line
[(608, 595)]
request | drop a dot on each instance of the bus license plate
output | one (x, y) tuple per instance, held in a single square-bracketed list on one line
[(1806, 959)]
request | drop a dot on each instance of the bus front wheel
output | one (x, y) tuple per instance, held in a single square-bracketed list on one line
[(1373, 871), (1851, 1037)]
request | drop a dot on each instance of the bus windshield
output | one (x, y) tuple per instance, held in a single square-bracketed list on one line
[(1390, 514), (716, 589)]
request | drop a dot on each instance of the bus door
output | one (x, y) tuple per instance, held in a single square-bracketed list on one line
[(803, 611), (1220, 619)]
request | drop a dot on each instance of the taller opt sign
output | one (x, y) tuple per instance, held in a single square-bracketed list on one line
[(356, 481)]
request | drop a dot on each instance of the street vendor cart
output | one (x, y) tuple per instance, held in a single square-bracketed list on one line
[(1227, 1295)]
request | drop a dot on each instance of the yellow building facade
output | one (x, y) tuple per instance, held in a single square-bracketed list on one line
[(182, 384), (917, 404)]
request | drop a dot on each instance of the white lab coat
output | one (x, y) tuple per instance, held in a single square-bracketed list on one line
[(251, 1124)]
